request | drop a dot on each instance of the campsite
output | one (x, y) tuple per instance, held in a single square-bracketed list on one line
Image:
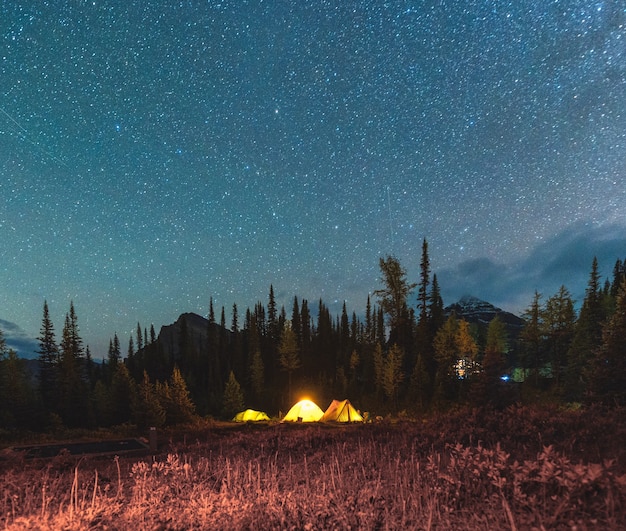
[(519, 468)]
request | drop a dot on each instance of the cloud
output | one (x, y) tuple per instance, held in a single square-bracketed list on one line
[(565, 260), (18, 340)]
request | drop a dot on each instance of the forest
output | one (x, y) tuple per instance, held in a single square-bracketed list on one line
[(397, 359)]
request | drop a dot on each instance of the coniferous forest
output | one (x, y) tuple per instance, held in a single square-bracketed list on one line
[(396, 358)]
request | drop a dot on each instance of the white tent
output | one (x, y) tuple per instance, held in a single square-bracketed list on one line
[(341, 411), (304, 411)]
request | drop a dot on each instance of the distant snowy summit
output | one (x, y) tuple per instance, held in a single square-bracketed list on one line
[(475, 310)]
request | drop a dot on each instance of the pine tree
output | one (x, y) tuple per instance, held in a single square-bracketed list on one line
[(257, 376), (531, 339), (175, 399), (392, 374), (559, 319), (422, 294), (587, 338), (379, 368), (123, 394), (17, 405), (446, 381), (421, 384), (393, 296), (289, 355), (73, 388), (147, 411), (115, 353), (486, 386), (607, 373), (214, 376), (139, 337), (233, 397), (48, 362), (435, 309)]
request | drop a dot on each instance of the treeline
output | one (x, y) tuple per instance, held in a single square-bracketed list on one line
[(394, 358)]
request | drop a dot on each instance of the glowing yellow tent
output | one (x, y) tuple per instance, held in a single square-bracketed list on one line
[(304, 411), (250, 415), (341, 411)]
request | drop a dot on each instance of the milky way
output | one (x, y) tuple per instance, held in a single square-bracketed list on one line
[(156, 154)]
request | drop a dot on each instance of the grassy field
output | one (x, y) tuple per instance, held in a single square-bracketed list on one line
[(517, 469)]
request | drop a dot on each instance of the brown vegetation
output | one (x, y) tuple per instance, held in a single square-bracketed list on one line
[(517, 469)]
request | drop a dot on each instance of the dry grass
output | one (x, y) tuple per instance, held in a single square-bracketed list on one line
[(315, 477)]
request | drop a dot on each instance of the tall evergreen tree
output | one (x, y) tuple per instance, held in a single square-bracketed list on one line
[(607, 374), (233, 397), (446, 355), (559, 319), (214, 376), (531, 339), (435, 308), (257, 374), (422, 293), (487, 386), (393, 376), (122, 395), (139, 337), (73, 388), (175, 399), (147, 411), (48, 362), (17, 395), (289, 355), (394, 295), (587, 337)]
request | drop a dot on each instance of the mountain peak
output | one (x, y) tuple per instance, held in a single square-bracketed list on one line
[(475, 310)]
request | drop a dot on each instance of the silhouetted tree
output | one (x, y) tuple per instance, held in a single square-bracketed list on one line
[(559, 319), (607, 373), (289, 355), (147, 411), (392, 374), (393, 296), (73, 388), (48, 362), (587, 337), (233, 397), (175, 399), (531, 339)]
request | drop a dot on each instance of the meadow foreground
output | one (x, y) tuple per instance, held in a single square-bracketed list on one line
[(517, 469)]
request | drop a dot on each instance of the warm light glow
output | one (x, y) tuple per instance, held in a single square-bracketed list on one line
[(304, 411)]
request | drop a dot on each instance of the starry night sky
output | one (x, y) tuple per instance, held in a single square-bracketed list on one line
[(155, 154)]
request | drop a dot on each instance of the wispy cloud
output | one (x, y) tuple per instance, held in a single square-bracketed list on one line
[(562, 260), (18, 340)]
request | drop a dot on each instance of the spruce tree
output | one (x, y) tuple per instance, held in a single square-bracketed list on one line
[(486, 387), (446, 355), (123, 394), (607, 374), (531, 339), (233, 397), (257, 374), (73, 389), (175, 398), (394, 295), (587, 338), (147, 411), (48, 362), (422, 293), (559, 319), (289, 355), (139, 337), (393, 375)]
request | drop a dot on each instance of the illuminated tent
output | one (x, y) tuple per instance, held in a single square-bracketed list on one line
[(304, 411), (341, 411), (250, 415)]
